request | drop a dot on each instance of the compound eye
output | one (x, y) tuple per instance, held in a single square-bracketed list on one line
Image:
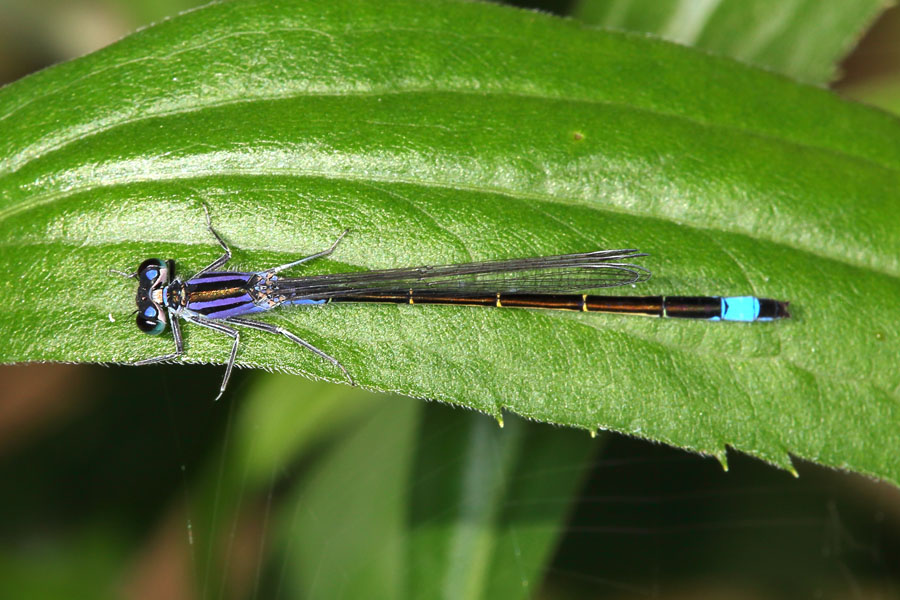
[(150, 270), (150, 320)]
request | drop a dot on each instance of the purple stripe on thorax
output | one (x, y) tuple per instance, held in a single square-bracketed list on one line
[(205, 304), (217, 276)]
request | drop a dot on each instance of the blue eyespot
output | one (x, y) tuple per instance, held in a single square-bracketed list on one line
[(150, 320), (151, 274)]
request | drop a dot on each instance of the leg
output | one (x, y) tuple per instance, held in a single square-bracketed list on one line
[(179, 344), (310, 257), (122, 274), (222, 259), (281, 330), (209, 323)]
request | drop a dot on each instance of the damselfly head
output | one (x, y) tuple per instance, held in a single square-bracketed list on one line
[(153, 275)]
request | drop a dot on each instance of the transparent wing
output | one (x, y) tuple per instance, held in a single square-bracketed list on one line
[(566, 273)]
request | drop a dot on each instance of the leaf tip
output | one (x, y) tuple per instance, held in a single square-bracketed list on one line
[(722, 457)]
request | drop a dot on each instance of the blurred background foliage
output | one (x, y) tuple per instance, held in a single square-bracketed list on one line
[(130, 483)]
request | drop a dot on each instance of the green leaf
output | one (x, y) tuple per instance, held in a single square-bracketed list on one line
[(472, 506), (448, 505), (282, 418), (81, 563), (279, 422), (451, 131), (804, 39), (883, 92)]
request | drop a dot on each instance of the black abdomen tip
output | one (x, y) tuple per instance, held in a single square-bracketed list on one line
[(773, 309)]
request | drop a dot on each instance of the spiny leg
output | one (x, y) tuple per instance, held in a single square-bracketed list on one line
[(222, 259), (234, 347), (179, 344), (293, 337), (311, 256)]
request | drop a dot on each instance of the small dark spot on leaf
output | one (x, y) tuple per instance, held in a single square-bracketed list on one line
[(578, 136)]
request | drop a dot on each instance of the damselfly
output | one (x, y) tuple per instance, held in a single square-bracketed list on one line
[(219, 300)]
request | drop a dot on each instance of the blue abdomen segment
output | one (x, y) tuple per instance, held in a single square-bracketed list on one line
[(740, 308), (750, 308)]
